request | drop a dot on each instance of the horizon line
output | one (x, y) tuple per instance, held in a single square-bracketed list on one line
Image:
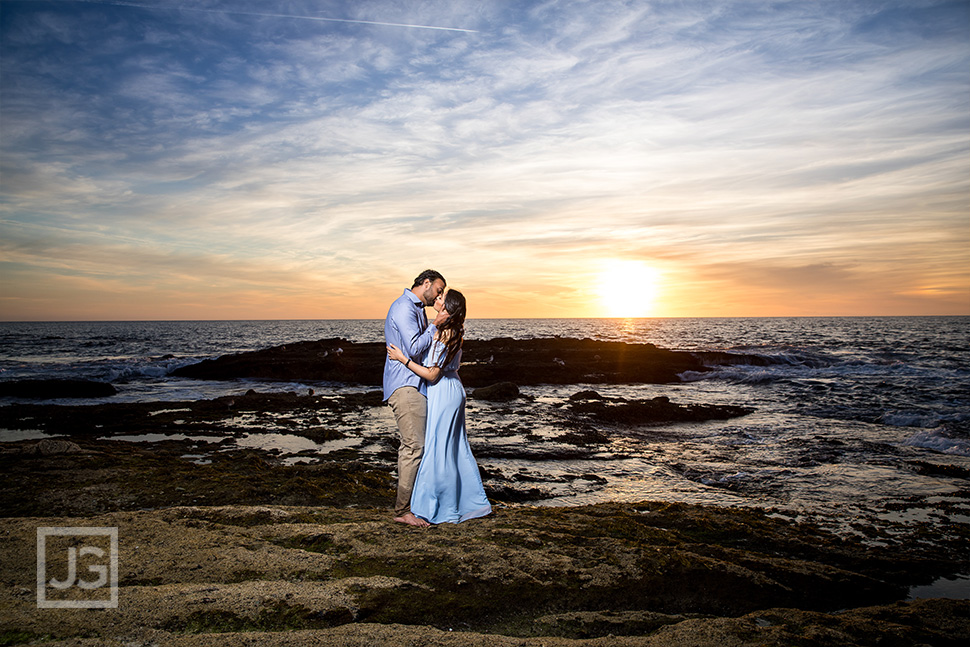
[(873, 316)]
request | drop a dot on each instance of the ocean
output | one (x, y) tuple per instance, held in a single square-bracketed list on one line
[(907, 372), (858, 421)]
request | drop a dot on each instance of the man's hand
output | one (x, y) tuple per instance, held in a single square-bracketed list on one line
[(440, 318)]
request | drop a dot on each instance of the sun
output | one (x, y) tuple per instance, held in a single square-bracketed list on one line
[(628, 288)]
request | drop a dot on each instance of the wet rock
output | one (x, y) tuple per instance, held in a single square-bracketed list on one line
[(319, 434), (593, 406), (51, 389), (592, 478), (588, 624), (509, 494), (925, 467), (584, 437), (538, 454), (309, 360), (586, 395), (51, 447), (572, 361), (117, 476), (521, 361), (650, 574), (501, 392)]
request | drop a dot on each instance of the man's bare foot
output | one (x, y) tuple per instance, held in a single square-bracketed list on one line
[(411, 520)]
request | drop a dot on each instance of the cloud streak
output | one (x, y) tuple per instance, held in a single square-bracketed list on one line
[(708, 139), (260, 14)]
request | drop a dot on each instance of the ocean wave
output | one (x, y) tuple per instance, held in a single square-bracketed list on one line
[(938, 441), (113, 370), (152, 368), (910, 419), (752, 374), (693, 376), (802, 368), (738, 376), (763, 357)]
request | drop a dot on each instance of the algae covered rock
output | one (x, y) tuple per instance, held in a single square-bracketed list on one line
[(52, 446), (501, 392), (645, 574)]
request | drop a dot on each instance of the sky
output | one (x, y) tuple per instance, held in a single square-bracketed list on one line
[(306, 159)]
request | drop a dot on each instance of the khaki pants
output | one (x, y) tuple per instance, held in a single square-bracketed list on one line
[(411, 412)]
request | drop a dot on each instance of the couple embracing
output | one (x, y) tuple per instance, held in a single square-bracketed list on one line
[(438, 479)]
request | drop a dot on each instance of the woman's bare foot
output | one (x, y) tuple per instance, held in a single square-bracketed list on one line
[(411, 520)]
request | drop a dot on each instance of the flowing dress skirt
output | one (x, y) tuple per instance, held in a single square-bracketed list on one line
[(448, 487)]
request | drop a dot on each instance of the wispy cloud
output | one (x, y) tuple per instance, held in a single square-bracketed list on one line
[(742, 147)]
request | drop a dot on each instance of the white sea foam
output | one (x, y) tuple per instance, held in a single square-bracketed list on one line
[(938, 442), (160, 411)]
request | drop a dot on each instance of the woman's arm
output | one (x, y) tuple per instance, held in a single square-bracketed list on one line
[(431, 374)]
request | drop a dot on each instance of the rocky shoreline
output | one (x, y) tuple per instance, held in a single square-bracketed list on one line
[(225, 544), (190, 439)]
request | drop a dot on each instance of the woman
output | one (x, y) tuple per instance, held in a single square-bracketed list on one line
[(448, 487)]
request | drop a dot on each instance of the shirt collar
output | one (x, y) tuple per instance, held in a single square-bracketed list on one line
[(414, 298)]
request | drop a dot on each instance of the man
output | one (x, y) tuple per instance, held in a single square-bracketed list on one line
[(407, 328)]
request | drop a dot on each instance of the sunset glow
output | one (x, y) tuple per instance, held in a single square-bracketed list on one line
[(299, 160), (630, 289)]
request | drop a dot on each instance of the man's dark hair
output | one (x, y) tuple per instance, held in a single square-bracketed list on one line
[(428, 275)]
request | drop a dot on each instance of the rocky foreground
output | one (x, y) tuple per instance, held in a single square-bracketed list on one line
[(244, 548), (248, 550), (646, 574)]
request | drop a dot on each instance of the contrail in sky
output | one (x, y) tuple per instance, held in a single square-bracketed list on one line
[(118, 3)]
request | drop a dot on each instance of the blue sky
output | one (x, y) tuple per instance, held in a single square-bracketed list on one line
[(306, 159)]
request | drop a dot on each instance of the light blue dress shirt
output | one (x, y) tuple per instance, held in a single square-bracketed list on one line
[(407, 328)]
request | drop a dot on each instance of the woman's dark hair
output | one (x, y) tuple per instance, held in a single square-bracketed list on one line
[(428, 275), (454, 325)]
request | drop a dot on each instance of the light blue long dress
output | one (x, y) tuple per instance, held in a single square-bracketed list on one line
[(448, 487)]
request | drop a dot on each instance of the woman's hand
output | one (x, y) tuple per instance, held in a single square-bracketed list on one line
[(439, 306), (395, 353)]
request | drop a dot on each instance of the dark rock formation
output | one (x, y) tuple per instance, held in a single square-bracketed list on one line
[(656, 410), (334, 360), (501, 392), (571, 361), (522, 362)]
